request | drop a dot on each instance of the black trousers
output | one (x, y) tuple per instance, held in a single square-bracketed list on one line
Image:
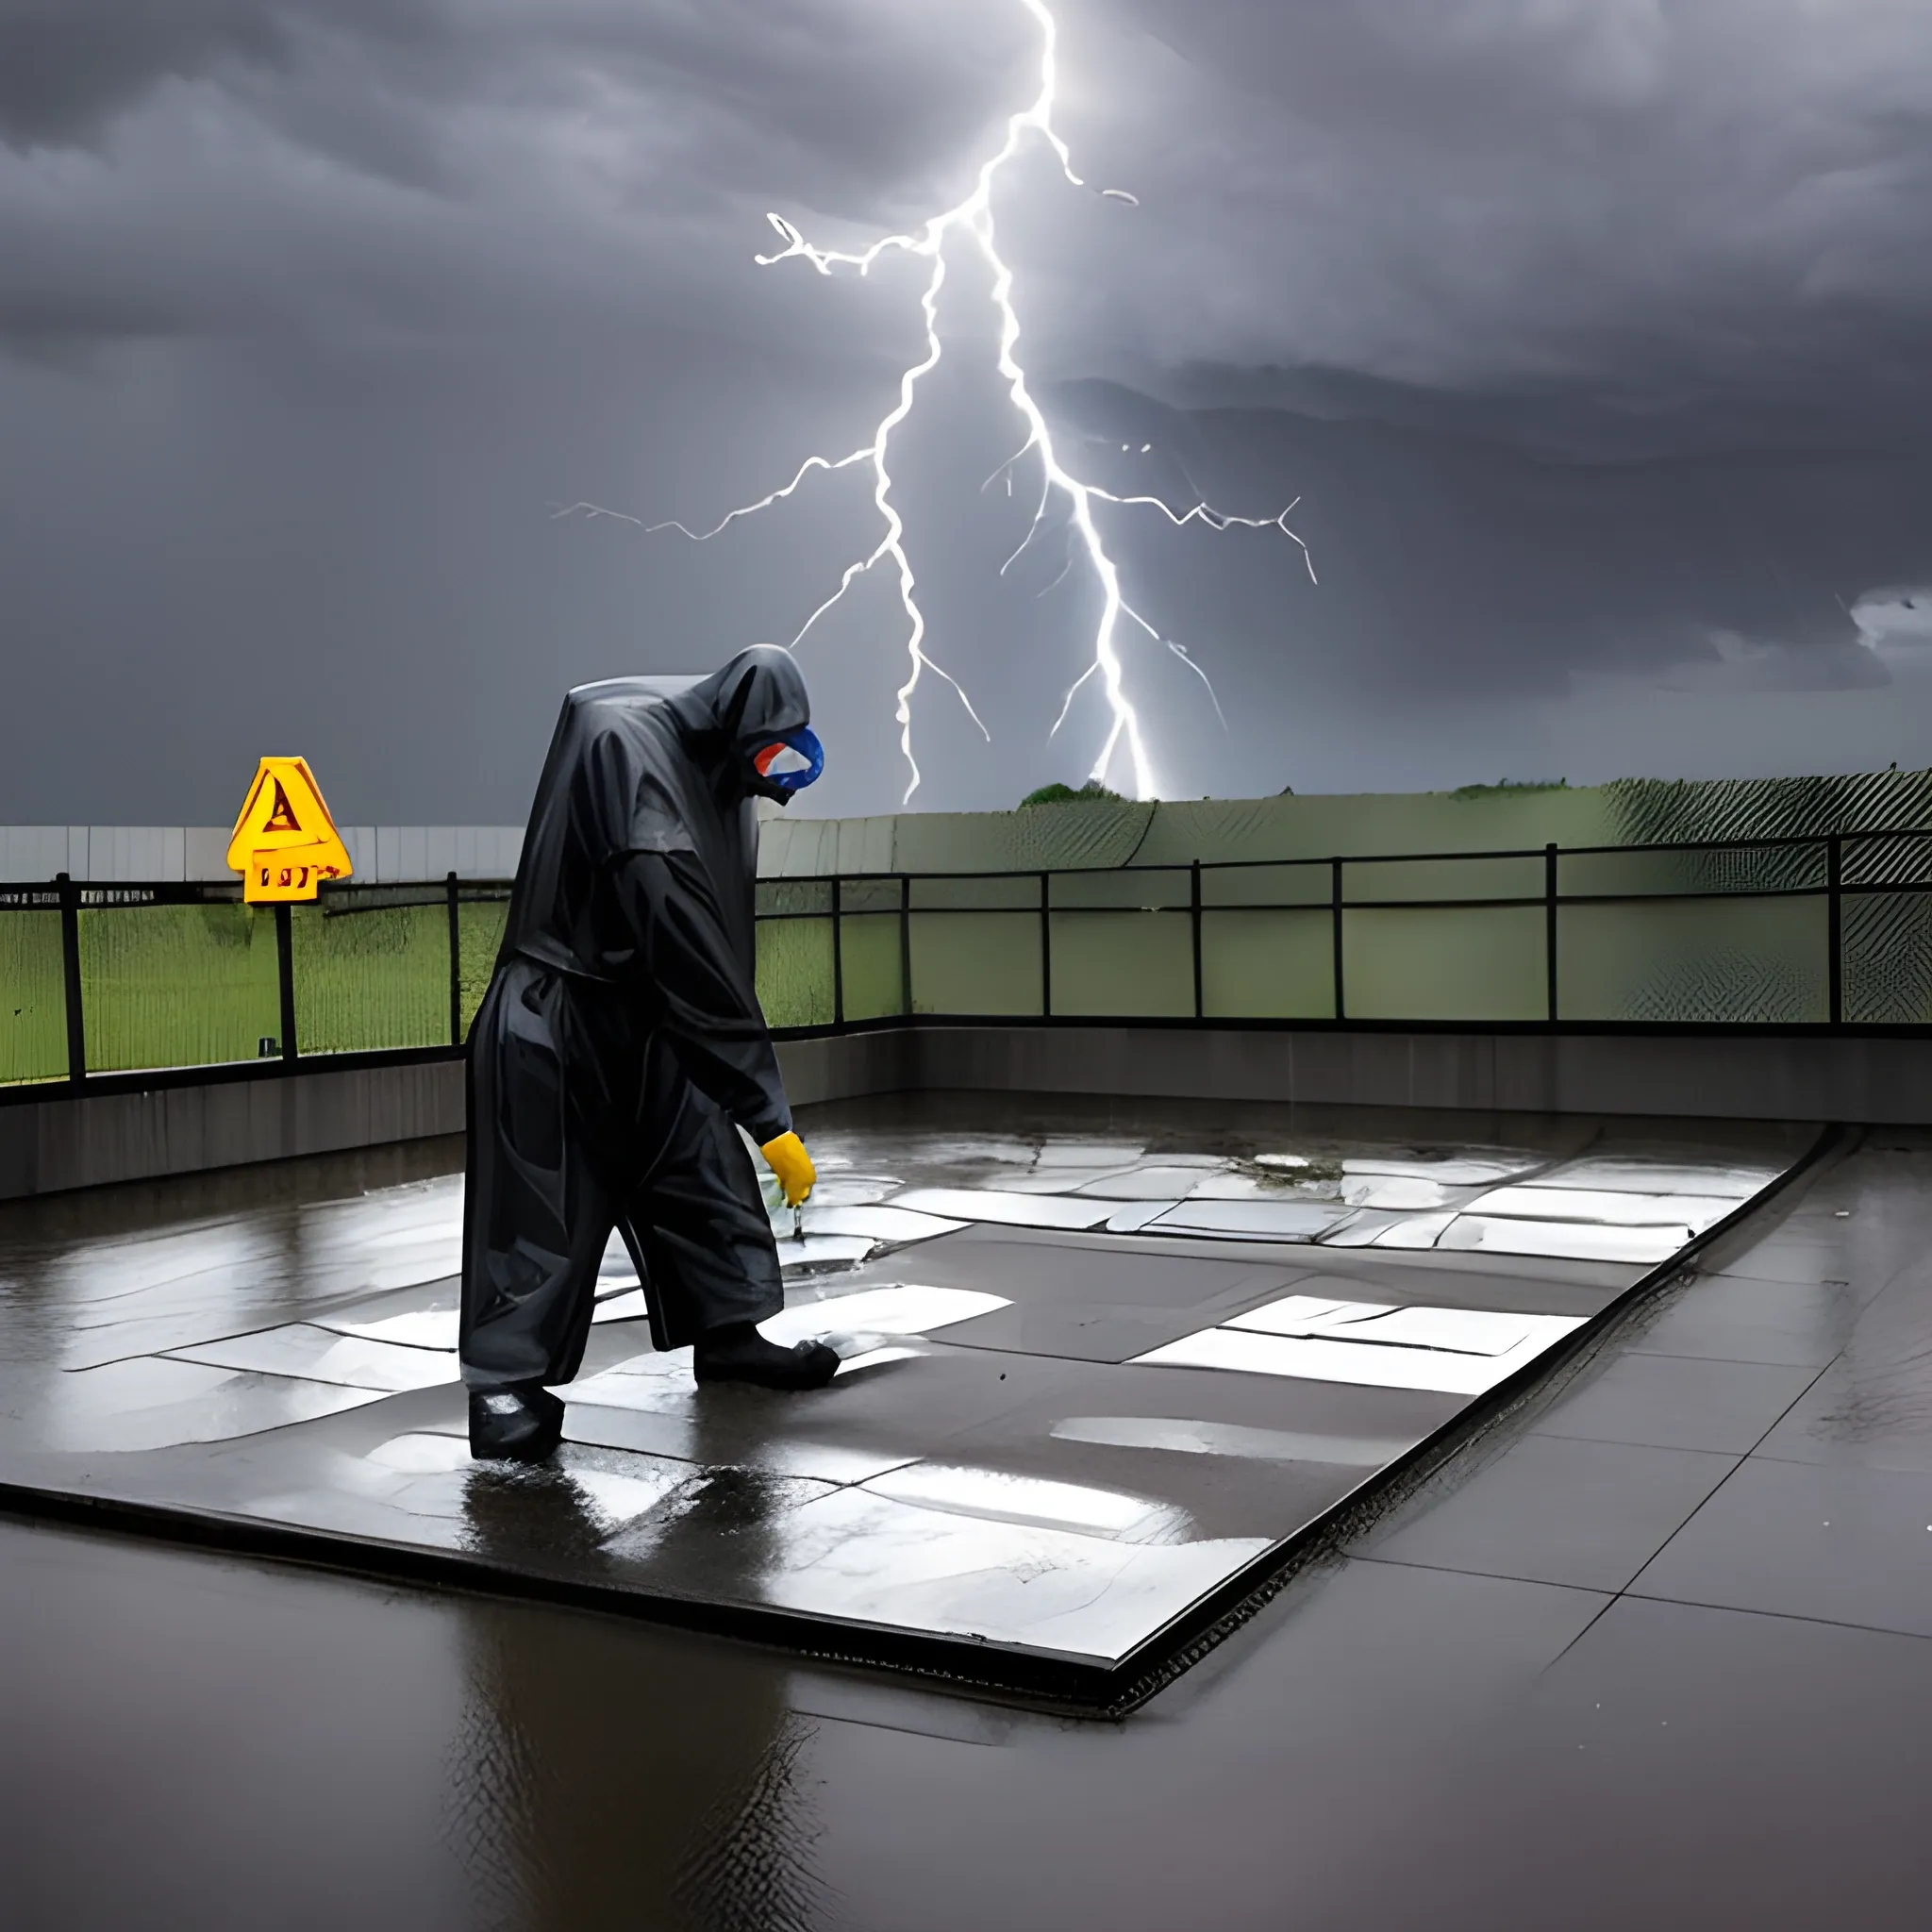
[(582, 1121)]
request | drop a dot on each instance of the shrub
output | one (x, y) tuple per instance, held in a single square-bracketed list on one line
[(1093, 791)]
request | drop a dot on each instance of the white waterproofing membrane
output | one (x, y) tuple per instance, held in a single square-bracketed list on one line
[(152, 1403), (902, 1308), (1446, 1174), (875, 1223), (1456, 1350), (999, 1497), (1367, 1364), (1733, 1181), (1093, 1154), (433, 1317), (1604, 1208), (1234, 1441), (810, 1251), (869, 1559), (418, 1328), (1566, 1241), (876, 1358), (1135, 1215), (628, 1306), (1461, 1331), (1250, 1221), (1412, 1232), (318, 1356), (842, 1186), (854, 1323), (1013, 1209), (1158, 1181)]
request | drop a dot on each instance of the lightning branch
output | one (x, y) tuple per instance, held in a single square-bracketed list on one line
[(970, 222)]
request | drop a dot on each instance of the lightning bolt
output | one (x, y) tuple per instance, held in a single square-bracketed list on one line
[(971, 221)]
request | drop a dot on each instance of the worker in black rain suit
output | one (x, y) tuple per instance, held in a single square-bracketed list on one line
[(621, 1045)]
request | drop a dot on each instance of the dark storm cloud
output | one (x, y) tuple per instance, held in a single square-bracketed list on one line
[(65, 71), (315, 308), (1663, 207), (1671, 214), (228, 159)]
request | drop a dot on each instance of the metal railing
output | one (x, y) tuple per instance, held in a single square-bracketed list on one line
[(1827, 932), (97, 980), (1831, 931)]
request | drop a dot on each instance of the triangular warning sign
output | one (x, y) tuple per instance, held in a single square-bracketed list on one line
[(285, 843)]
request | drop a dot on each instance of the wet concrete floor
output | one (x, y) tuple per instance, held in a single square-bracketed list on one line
[(1102, 1365), (1654, 1650)]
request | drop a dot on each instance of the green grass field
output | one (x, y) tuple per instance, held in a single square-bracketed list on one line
[(33, 1009), (185, 985)]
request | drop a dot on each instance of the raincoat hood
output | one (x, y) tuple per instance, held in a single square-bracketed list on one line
[(650, 764), (729, 717)]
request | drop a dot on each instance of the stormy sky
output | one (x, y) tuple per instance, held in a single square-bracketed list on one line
[(1591, 334)]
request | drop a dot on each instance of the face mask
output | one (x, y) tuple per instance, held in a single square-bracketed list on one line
[(793, 761)]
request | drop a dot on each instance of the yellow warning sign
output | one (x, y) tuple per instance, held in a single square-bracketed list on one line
[(285, 843)]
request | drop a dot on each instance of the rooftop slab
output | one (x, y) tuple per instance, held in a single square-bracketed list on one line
[(1109, 1368), (1387, 1743)]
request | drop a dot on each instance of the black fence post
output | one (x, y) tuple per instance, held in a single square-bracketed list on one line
[(69, 976), (905, 943), (1194, 910), (1045, 948), (838, 956), (1835, 928), (1335, 919), (285, 975), (1550, 930), (456, 963)]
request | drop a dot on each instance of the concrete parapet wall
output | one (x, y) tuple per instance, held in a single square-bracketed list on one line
[(63, 1142), (1874, 1079), (49, 1145)]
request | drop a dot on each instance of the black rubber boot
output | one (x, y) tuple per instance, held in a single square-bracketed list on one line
[(738, 1353), (521, 1424)]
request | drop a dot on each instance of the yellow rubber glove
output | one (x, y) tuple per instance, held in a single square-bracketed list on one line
[(788, 1159)]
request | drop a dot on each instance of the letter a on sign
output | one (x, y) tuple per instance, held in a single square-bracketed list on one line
[(285, 843)]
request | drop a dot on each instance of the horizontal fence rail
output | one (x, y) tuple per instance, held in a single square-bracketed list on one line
[(1818, 933)]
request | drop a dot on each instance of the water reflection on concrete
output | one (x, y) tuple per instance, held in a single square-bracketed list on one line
[(569, 1751), (591, 1783)]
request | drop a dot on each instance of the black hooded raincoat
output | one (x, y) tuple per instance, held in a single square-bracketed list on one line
[(621, 1037)]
